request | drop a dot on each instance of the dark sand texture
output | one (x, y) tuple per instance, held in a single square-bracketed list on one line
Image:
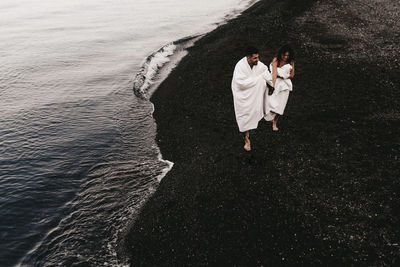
[(324, 190)]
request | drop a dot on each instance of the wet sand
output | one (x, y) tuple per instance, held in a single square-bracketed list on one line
[(324, 189)]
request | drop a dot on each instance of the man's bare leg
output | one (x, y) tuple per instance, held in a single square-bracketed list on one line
[(274, 122), (247, 146)]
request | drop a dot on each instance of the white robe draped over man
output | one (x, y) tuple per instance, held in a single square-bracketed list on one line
[(250, 92)]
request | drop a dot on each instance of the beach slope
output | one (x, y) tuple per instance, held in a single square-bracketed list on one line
[(324, 189)]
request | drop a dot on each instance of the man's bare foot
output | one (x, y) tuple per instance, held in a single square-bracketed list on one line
[(247, 147), (274, 128)]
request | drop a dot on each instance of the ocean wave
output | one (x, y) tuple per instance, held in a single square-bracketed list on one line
[(164, 171), (152, 65)]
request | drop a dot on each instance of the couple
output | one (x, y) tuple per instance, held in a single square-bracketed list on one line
[(250, 93)]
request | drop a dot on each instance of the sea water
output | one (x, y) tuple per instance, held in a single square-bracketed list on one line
[(78, 155)]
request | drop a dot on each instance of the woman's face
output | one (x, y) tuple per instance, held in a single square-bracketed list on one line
[(285, 56)]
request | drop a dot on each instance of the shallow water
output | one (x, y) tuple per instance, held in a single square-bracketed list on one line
[(78, 155)]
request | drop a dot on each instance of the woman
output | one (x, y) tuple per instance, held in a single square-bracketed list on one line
[(282, 71)]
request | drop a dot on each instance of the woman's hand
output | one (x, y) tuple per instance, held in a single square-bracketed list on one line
[(292, 71)]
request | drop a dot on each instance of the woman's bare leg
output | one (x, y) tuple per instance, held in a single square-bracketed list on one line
[(247, 146)]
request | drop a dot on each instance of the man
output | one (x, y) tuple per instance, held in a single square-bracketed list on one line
[(250, 92)]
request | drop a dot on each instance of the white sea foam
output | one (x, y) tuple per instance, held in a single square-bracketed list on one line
[(150, 68), (164, 171)]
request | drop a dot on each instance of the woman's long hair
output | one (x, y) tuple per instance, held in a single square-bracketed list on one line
[(285, 48)]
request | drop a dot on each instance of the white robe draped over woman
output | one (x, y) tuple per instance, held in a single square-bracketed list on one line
[(278, 99), (249, 93)]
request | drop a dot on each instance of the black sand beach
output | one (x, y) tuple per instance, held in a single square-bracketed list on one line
[(324, 190)]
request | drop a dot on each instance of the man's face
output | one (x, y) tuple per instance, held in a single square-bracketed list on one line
[(253, 59)]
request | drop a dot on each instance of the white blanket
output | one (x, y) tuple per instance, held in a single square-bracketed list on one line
[(285, 83), (249, 93), (277, 101)]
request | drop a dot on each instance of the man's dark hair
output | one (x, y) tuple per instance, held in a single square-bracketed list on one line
[(251, 50)]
